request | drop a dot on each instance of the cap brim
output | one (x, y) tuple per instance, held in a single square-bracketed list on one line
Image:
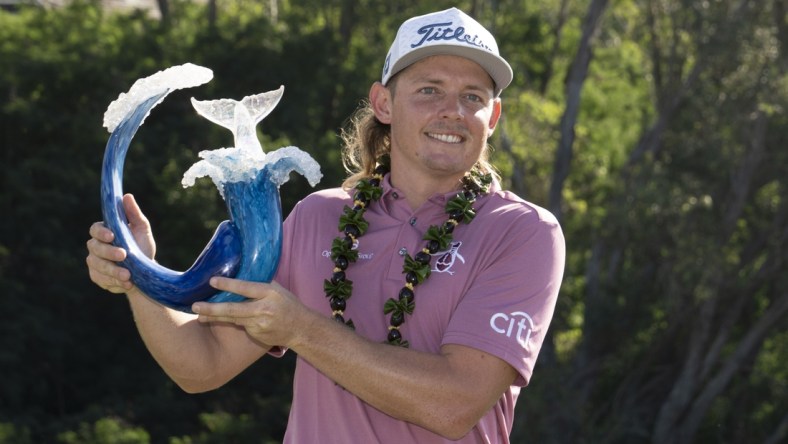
[(499, 70)]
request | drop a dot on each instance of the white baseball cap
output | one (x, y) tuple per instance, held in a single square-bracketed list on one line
[(449, 32)]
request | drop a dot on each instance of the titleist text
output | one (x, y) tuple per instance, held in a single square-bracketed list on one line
[(444, 31)]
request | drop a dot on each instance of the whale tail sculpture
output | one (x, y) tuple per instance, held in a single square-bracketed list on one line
[(223, 111), (240, 117)]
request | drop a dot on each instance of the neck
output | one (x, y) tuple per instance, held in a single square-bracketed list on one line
[(418, 189)]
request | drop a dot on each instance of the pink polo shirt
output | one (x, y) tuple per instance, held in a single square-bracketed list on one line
[(494, 290)]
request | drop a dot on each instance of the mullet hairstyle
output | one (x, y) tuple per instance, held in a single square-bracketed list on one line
[(366, 139)]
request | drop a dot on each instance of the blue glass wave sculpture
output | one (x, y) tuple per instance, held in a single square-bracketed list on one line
[(248, 245)]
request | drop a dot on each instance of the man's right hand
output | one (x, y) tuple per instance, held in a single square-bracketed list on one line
[(103, 256)]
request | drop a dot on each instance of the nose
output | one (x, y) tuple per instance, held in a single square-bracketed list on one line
[(452, 107)]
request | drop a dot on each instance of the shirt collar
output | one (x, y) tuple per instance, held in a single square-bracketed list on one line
[(392, 194)]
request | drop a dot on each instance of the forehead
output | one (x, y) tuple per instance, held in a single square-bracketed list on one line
[(442, 68)]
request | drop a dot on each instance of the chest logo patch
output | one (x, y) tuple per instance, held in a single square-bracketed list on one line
[(446, 259)]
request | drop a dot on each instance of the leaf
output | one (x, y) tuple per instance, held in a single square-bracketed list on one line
[(352, 217), (338, 248), (400, 343), (371, 192), (390, 306), (463, 205), (398, 306), (437, 234), (342, 289), (422, 271)]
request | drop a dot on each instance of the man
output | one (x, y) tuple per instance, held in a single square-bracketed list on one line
[(467, 299)]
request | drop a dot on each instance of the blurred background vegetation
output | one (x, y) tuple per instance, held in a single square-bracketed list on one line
[(654, 129)]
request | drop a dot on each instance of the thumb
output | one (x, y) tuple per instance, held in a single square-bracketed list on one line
[(139, 226), (137, 219)]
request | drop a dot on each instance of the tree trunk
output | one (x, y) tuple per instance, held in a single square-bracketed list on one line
[(578, 72), (164, 12), (655, 46), (745, 352), (273, 11), (554, 51), (651, 141), (212, 14), (780, 433)]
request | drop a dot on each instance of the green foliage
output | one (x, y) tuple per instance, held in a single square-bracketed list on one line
[(11, 434), (223, 427), (105, 431), (659, 245)]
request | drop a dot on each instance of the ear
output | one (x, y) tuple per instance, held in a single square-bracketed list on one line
[(496, 114), (380, 100)]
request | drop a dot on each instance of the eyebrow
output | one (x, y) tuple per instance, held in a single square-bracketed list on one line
[(437, 81)]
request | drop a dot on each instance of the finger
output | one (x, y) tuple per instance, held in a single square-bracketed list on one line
[(105, 251), (107, 275), (251, 290), (107, 268), (228, 311), (102, 265), (232, 312), (110, 284), (207, 319), (100, 231)]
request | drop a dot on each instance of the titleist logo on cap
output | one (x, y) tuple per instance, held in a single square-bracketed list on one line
[(444, 32)]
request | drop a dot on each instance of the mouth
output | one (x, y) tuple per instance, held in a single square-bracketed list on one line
[(446, 138)]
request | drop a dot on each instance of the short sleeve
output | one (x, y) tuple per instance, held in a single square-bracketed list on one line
[(508, 306)]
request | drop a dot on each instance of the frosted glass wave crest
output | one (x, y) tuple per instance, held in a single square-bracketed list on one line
[(177, 77), (228, 165)]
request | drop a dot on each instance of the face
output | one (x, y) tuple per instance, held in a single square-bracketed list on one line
[(441, 110)]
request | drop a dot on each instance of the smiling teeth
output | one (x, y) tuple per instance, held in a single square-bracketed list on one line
[(448, 138)]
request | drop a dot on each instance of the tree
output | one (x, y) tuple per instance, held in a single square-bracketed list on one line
[(575, 78)]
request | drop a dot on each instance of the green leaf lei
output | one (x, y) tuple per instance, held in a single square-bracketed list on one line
[(416, 269)]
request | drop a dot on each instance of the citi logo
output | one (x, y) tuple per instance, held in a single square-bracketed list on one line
[(516, 325)]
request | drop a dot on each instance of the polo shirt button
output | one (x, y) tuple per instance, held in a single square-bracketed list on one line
[(395, 195), (413, 221), (403, 251)]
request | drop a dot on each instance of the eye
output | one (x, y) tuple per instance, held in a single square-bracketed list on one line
[(429, 90), (473, 98)]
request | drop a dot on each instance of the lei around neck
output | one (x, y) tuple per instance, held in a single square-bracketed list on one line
[(352, 225)]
